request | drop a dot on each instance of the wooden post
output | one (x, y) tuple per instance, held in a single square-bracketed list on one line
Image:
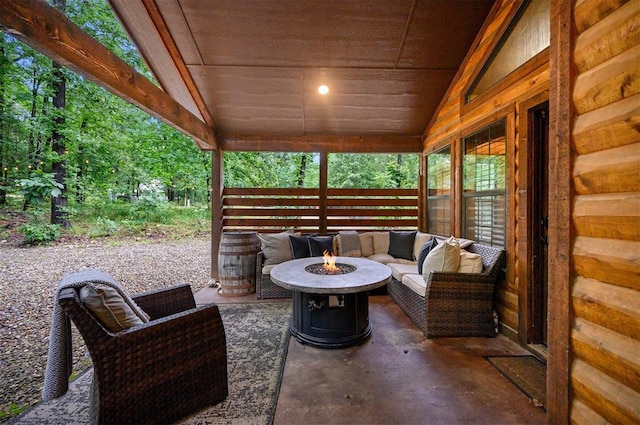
[(422, 193), (323, 192), (561, 115), (217, 189)]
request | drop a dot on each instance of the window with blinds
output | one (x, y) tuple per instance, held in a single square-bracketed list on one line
[(439, 192), (484, 185)]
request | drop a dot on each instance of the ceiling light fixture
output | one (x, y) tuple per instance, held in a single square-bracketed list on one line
[(323, 89)]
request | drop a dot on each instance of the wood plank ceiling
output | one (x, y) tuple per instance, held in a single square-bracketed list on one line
[(253, 67)]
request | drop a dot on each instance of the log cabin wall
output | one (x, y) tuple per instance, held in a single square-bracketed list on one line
[(509, 100), (600, 378), (605, 291)]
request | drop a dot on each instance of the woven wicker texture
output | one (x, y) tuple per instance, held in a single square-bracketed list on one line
[(265, 288), (455, 304), (160, 371)]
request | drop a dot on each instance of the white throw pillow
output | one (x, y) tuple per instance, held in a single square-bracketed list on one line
[(445, 257), (470, 262)]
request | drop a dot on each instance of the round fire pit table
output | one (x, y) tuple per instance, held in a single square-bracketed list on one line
[(330, 309)]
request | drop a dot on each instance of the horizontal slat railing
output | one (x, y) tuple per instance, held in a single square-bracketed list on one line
[(277, 209)]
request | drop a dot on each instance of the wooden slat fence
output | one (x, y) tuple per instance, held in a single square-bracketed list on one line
[(275, 209)]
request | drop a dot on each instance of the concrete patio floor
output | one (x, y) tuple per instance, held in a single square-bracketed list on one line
[(397, 377)]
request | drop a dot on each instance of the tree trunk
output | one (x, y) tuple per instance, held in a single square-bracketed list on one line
[(399, 172), (3, 83), (302, 170), (35, 88), (59, 212), (82, 168)]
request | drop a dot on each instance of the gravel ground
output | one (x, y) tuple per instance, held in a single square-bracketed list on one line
[(29, 276)]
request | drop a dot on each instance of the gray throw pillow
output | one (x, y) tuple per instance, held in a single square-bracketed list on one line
[(424, 251)]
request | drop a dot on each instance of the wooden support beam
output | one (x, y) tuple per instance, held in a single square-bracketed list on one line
[(217, 191), (560, 273), (42, 27), (322, 143), (324, 184)]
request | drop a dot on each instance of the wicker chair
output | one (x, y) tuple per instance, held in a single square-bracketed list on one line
[(455, 304), (158, 372)]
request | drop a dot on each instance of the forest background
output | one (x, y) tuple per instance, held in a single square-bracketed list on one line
[(76, 160)]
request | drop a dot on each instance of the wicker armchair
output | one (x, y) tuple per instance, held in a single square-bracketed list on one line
[(455, 304), (157, 372)]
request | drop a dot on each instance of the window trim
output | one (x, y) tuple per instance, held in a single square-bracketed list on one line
[(507, 113), (450, 144), (539, 60)]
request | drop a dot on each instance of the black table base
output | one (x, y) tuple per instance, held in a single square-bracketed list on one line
[(330, 321)]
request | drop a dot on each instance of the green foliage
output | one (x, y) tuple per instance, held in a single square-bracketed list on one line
[(13, 410), (104, 227), (37, 233), (115, 152), (150, 209), (378, 171), (250, 169), (39, 187)]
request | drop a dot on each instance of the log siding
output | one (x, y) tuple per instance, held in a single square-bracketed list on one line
[(594, 368)]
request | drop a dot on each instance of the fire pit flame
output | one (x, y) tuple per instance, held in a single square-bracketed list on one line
[(329, 262)]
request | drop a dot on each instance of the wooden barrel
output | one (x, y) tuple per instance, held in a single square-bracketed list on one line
[(237, 263)]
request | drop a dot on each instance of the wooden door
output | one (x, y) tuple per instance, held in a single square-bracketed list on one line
[(538, 223)]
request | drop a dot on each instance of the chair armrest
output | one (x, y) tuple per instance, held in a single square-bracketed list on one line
[(154, 354), (165, 302)]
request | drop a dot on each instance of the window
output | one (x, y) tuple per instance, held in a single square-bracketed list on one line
[(484, 182), (439, 192), (528, 35)]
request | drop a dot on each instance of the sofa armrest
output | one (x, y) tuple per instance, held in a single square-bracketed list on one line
[(455, 277)]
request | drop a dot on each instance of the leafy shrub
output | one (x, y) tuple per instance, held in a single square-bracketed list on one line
[(150, 209), (39, 233), (104, 227), (38, 187)]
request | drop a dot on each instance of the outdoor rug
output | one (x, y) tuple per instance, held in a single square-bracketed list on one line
[(527, 373), (257, 341)]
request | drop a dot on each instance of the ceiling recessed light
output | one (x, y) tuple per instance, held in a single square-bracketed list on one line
[(323, 89)]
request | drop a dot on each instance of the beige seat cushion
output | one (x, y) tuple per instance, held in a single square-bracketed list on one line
[(267, 269), (108, 306), (398, 270), (382, 258), (445, 257), (416, 283)]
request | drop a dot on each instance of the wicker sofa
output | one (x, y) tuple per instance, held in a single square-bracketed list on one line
[(439, 303), (452, 304), (378, 251)]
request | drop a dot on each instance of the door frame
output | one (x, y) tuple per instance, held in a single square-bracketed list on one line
[(526, 229)]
